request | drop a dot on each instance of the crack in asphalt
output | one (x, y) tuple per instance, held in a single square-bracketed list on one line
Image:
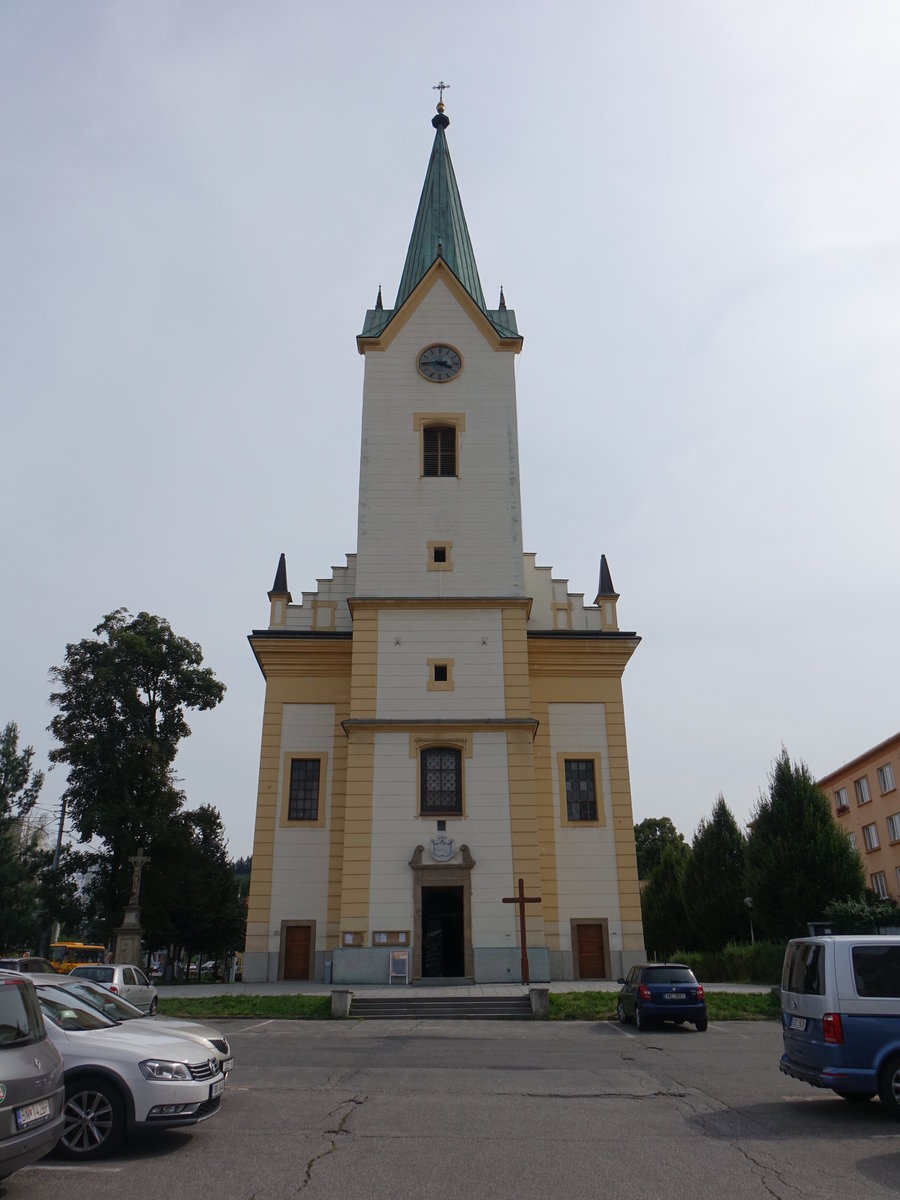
[(348, 1107)]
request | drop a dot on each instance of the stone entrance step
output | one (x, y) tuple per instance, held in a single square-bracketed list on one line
[(453, 1008)]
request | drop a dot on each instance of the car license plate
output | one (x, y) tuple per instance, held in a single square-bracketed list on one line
[(798, 1023), (227, 1065), (216, 1089), (676, 995), (30, 1114)]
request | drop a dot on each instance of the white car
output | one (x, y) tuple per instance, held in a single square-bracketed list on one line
[(119, 1078), (124, 979), (119, 1010)]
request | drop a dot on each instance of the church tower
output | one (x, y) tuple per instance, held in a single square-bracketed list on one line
[(443, 718)]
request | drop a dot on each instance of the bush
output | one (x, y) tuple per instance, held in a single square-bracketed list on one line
[(759, 963)]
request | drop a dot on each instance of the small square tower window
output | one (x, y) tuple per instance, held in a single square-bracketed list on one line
[(439, 558), (440, 675)]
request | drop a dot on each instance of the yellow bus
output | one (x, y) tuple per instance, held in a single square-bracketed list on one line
[(66, 955)]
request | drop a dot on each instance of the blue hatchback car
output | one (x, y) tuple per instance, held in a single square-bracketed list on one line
[(654, 992)]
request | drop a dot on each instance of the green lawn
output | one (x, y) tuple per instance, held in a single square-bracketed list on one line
[(720, 1006)]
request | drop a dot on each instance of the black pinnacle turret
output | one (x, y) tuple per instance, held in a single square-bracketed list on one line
[(280, 586)]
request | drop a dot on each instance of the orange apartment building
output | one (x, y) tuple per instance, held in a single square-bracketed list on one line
[(866, 803)]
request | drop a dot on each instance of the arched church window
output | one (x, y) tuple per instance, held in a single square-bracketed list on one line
[(441, 781)]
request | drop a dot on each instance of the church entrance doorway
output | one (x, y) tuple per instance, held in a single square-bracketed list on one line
[(443, 933), (590, 949), (298, 939)]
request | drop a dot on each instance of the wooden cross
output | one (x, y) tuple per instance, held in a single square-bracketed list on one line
[(441, 87), (521, 900)]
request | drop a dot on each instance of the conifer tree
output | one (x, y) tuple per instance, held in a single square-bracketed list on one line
[(798, 859), (714, 891)]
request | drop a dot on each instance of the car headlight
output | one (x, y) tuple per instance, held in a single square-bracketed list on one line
[(161, 1068)]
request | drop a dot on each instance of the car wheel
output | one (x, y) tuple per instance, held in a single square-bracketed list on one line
[(701, 1023), (640, 1021), (855, 1097), (94, 1121), (889, 1085), (621, 1013), (154, 1005)]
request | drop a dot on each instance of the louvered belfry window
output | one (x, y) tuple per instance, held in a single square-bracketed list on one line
[(441, 769), (439, 450)]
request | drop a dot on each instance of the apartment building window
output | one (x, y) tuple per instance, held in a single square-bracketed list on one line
[(879, 884), (886, 778), (870, 833), (863, 796), (893, 824), (840, 800), (851, 838)]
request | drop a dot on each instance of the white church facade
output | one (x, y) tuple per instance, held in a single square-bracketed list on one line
[(443, 718)]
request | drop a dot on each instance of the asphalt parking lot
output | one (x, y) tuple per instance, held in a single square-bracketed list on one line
[(500, 1111)]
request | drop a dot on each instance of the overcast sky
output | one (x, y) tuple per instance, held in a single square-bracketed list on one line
[(694, 209)]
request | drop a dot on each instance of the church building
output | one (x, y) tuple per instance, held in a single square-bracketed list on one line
[(443, 717)]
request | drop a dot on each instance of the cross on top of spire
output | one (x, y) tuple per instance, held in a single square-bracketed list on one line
[(441, 87)]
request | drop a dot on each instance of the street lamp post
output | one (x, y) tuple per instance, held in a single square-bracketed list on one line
[(748, 900)]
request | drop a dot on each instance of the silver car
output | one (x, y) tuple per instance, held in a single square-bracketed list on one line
[(119, 1078), (119, 1010), (125, 979), (31, 1079)]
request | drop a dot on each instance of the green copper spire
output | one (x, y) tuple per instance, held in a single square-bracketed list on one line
[(440, 231), (440, 225)]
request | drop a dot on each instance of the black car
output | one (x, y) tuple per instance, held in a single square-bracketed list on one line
[(655, 992)]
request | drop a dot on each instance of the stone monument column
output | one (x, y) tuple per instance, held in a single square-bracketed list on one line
[(128, 934)]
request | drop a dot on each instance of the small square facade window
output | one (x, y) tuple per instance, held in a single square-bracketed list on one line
[(439, 556), (441, 781), (893, 824), (863, 795), (879, 884), (886, 778), (851, 838), (870, 834), (581, 792), (841, 802), (440, 675), (303, 796)]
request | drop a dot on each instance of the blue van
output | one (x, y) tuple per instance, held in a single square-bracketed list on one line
[(840, 1015)]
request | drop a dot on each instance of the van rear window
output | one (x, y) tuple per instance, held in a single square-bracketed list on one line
[(876, 970), (804, 970)]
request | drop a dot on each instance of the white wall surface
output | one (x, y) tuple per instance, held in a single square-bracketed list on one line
[(452, 634), (300, 861), (397, 830), (399, 512), (587, 875)]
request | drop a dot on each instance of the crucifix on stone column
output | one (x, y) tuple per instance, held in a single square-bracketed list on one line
[(138, 861), (520, 900)]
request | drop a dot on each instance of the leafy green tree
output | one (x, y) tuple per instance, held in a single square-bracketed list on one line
[(650, 839), (714, 881), (20, 855), (798, 860), (190, 895), (666, 927), (122, 697)]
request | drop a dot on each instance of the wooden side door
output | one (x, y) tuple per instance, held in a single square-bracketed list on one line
[(296, 951), (591, 959)]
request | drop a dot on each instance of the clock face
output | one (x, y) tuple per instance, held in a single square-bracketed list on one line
[(439, 364)]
